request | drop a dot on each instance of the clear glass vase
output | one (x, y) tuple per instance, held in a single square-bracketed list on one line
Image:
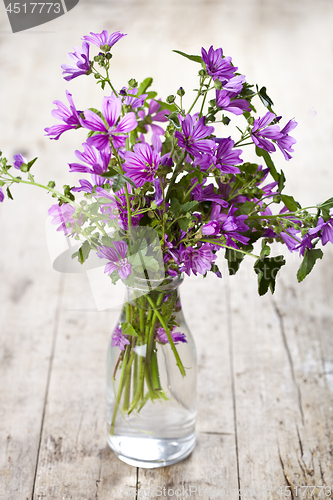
[(151, 378)]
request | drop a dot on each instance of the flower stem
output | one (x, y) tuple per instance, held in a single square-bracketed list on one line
[(168, 334)]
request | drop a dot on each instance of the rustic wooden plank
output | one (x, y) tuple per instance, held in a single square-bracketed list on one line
[(29, 291), (306, 318), (212, 466), (282, 403), (75, 461)]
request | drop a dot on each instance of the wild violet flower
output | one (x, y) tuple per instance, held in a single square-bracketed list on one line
[(207, 193), (325, 230), (98, 161), (19, 160), (111, 109), (141, 165), (63, 215), (197, 260), (80, 59), (70, 116), (117, 257), (235, 106), (218, 66), (193, 139), (2, 196), (102, 39), (132, 99), (176, 336), (116, 208), (285, 142), (263, 134), (118, 339), (228, 225)]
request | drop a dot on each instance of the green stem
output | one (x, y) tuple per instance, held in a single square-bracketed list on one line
[(175, 174), (230, 248), (120, 390), (204, 99), (168, 334)]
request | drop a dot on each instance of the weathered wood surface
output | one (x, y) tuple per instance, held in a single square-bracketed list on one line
[(265, 405)]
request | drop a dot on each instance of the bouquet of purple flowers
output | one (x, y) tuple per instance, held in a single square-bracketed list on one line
[(165, 188)]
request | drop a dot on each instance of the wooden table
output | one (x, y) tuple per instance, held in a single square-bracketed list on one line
[(265, 403)]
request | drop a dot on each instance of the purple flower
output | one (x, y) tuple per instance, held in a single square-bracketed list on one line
[(235, 85), (285, 142), (98, 161), (263, 133), (80, 58), (117, 257), (87, 187), (63, 215), (207, 193), (229, 225), (176, 336), (218, 66), (289, 237), (101, 39), (305, 243), (111, 109), (142, 164), (70, 117), (116, 209), (133, 99), (2, 196), (19, 160), (198, 260), (235, 106), (325, 229), (193, 137), (118, 339), (154, 115), (226, 157)]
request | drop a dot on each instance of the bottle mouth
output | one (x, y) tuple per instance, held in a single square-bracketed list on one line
[(167, 284)]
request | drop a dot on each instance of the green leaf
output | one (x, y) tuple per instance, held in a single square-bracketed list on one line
[(184, 224), (118, 182), (235, 258), (269, 162), (325, 209), (127, 329), (290, 203), (9, 194), (282, 181), (267, 269), (144, 85), (110, 173), (83, 252), (179, 209), (265, 250), (30, 163), (174, 120), (309, 260), (197, 59), (265, 99)]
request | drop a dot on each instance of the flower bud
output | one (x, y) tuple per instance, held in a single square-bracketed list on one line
[(132, 83), (202, 72), (218, 85), (181, 91), (277, 198), (170, 99)]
